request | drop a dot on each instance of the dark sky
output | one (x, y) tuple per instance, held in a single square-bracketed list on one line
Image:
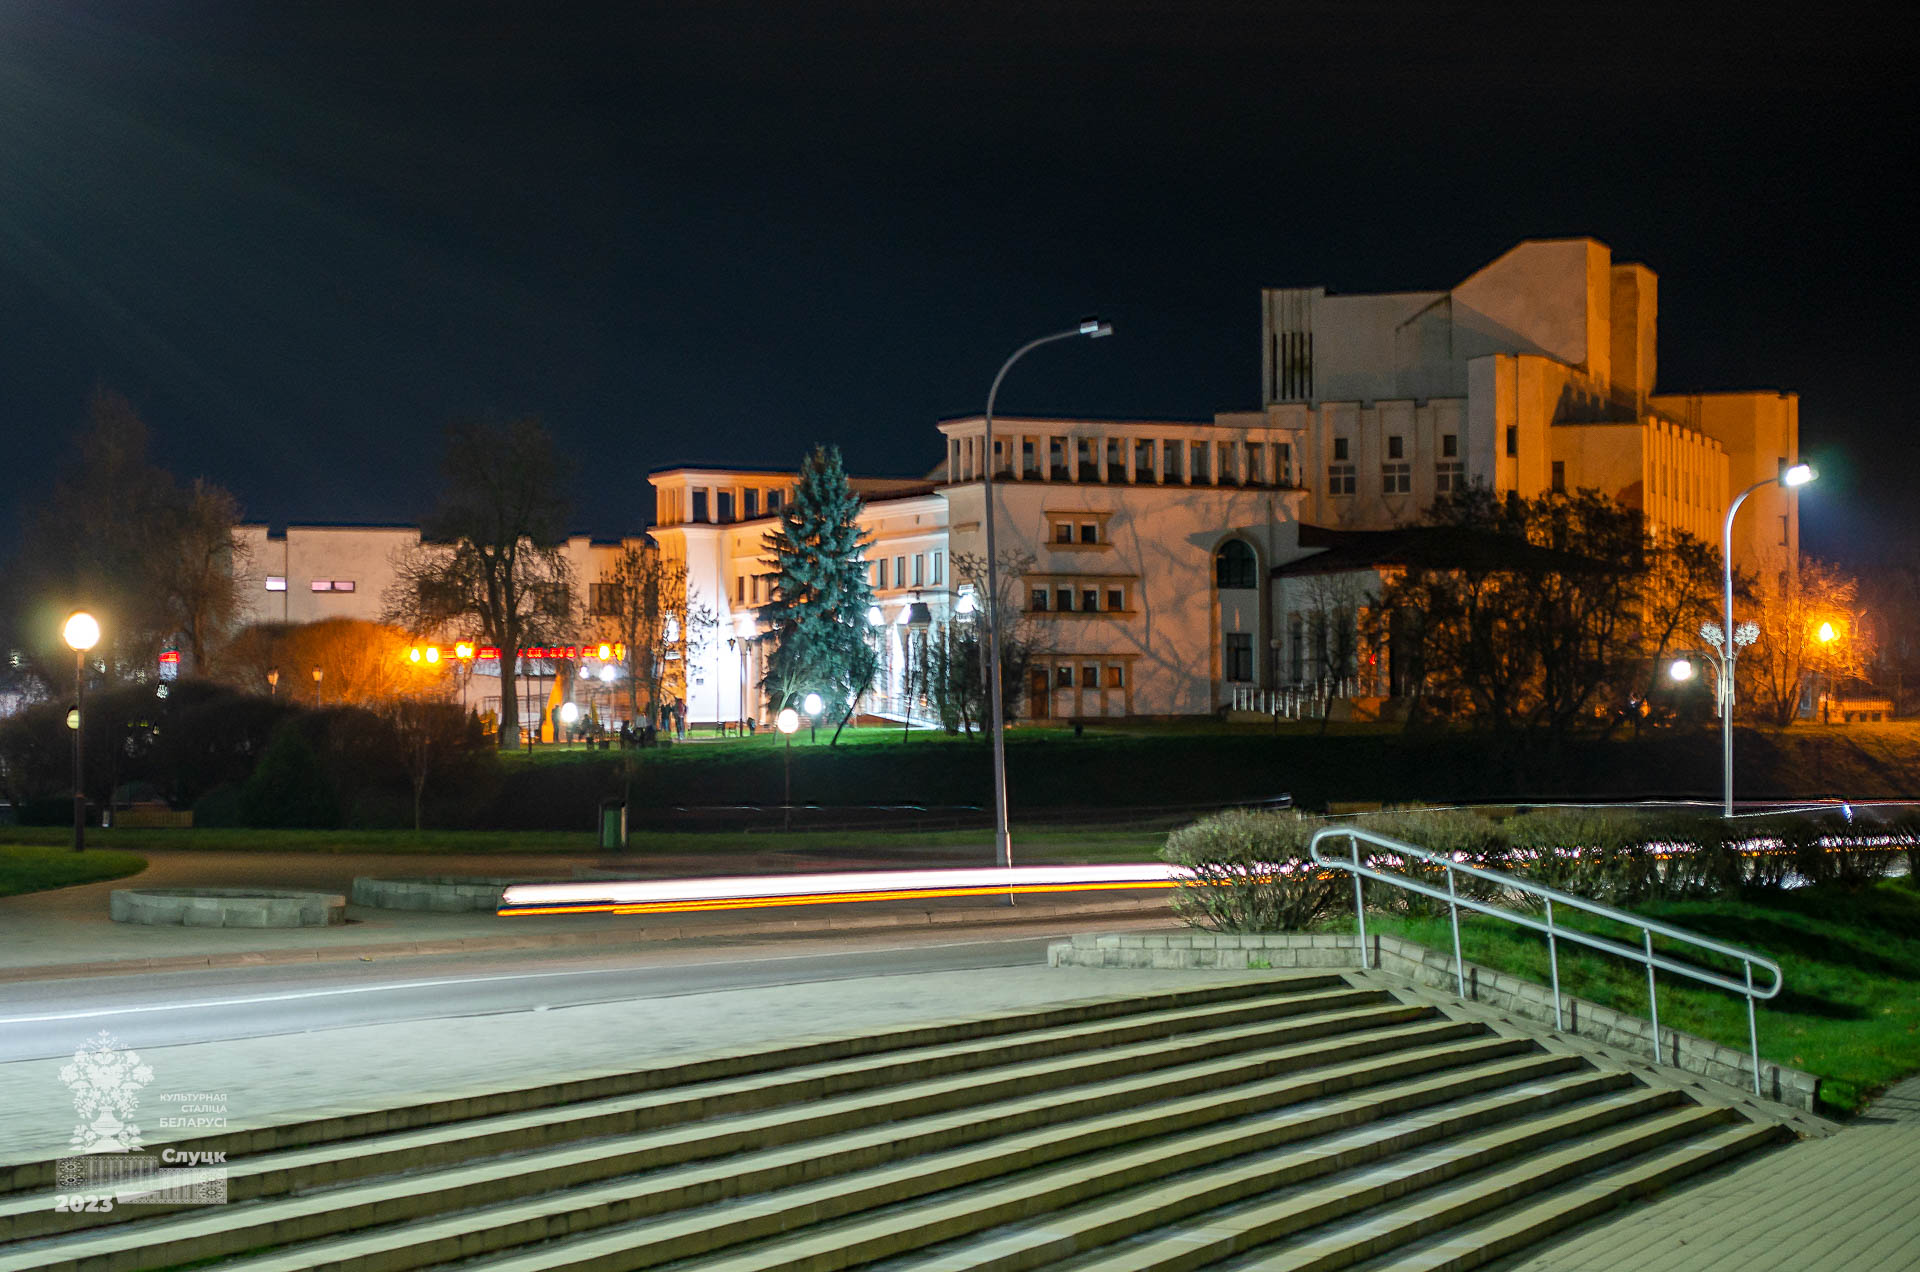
[(302, 236)]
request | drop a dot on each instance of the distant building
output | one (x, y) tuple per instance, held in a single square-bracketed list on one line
[(1171, 560)]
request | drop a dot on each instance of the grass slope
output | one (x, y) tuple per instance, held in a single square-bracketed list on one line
[(38, 868), (1850, 1009)]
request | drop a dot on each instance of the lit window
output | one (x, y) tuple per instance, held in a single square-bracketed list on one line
[(276, 582), (323, 585), (343, 585)]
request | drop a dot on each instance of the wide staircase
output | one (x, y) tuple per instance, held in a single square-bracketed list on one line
[(1303, 1122)]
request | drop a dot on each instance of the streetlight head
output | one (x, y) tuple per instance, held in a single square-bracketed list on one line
[(1681, 670), (965, 605), (317, 673), (1798, 475), (1095, 328), (82, 631), (606, 674), (1746, 634), (569, 712), (874, 616), (812, 704), (788, 720), (413, 655), (1711, 633), (1826, 634), (433, 653)]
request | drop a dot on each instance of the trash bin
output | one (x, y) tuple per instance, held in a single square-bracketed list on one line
[(613, 823)]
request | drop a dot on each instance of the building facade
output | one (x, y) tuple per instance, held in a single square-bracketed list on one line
[(1160, 562)]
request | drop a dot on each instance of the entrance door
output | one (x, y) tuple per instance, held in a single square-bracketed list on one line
[(1039, 694)]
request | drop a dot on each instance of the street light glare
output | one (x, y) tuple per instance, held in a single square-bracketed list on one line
[(874, 616), (606, 674), (1798, 475), (1681, 669), (569, 712), (813, 704), (788, 720), (82, 631), (1826, 634)]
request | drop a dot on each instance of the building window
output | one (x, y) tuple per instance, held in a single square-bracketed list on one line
[(1283, 463), (739, 589), (899, 571), (1513, 440), (1029, 466), (939, 568), (1339, 479), (1083, 450), (1116, 460), (602, 598), (1239, 664), (1449, 445), (1226, 476), (699, 505), (1063, 532), (322, 585), (1171, 448), (1449, 477), (751, 501), (1057, 458), (1339, 449), (1233, 565), (1559, 477), (1116, 677), (1089, 532), (1116, 599), (1090, 599), (276, 582), (1296, 649), (1038, 603), (919, 569), (1396, 479), (773, 501), (1063, 676), (1396, 446), (1197, 465), (880, 575), (1256, 464), (1089, 676), (1063, 599), (724, 503), (1783, 534)]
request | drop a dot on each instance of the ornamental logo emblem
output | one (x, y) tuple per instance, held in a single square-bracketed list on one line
[(105, 1079)]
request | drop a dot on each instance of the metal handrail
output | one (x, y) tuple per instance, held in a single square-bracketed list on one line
[(1645, 955)]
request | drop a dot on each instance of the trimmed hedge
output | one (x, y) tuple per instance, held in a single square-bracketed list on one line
[(1252, 873)]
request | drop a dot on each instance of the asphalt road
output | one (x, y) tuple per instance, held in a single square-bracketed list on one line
[(42, 1020)]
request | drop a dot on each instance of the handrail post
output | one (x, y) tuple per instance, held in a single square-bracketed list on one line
[(1359, 901), (1753, 1029), (1653, 1001), (1453, 907), (1553, 962)]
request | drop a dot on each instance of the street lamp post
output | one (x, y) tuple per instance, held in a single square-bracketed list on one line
[(273, 682), (317, 675), (787, 721), (1790, 478), (918, 618), (1093, 328), (82, 632), (813, 707)]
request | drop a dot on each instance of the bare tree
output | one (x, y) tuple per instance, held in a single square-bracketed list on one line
[(1789, 606), (642, 602), (967, 640), (492, 554)]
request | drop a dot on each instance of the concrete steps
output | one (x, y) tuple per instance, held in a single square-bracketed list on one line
[(1298, 1121)]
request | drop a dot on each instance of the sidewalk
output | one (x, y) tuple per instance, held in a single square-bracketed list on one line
[(51, 935), (1846, 1203)]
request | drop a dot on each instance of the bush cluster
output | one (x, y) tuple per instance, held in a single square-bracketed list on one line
[(1251, 871)]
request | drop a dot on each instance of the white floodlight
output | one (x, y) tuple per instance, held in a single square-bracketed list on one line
[(1681, 669), (1798, 475)]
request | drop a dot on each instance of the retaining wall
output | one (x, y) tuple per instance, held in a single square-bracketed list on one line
[(226, 907), (1502, 991)]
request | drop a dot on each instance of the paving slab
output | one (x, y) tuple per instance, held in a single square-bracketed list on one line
[(1849, 1202)]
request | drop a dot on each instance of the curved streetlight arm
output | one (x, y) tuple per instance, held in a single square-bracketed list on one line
[(1003, 840), (1789, 479)]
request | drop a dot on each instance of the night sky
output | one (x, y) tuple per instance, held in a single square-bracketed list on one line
[(302, 236)]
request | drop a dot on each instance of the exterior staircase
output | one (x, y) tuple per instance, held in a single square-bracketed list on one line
[(1313, 1121)]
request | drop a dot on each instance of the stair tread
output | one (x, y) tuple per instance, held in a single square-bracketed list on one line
[(1392, 1021), (1137, 1172)]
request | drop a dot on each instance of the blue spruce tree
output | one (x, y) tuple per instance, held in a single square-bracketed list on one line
[(818, 610)]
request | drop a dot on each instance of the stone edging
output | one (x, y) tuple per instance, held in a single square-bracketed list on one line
[(1433, 969), (444, 894), (226, 907)]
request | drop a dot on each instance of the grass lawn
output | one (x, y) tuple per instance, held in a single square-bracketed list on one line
[(1850, 1011), (33, 868), (1031, 845)]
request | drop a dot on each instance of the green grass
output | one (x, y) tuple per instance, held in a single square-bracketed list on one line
[(1031, 843), (28, 868), (1850, 1009)]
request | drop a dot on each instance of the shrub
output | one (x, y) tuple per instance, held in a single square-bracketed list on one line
[(1589, 854), (289, 787), (1465, 836), (1251, 873)]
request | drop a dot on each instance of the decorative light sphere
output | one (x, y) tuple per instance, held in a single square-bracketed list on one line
[(569, 712), (433, 653), (82, 631), (73, 717), (1746, 633), (813, 704), (606, 674), (413, 654), (788, 721), (1826, 634), (1680, 669)]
